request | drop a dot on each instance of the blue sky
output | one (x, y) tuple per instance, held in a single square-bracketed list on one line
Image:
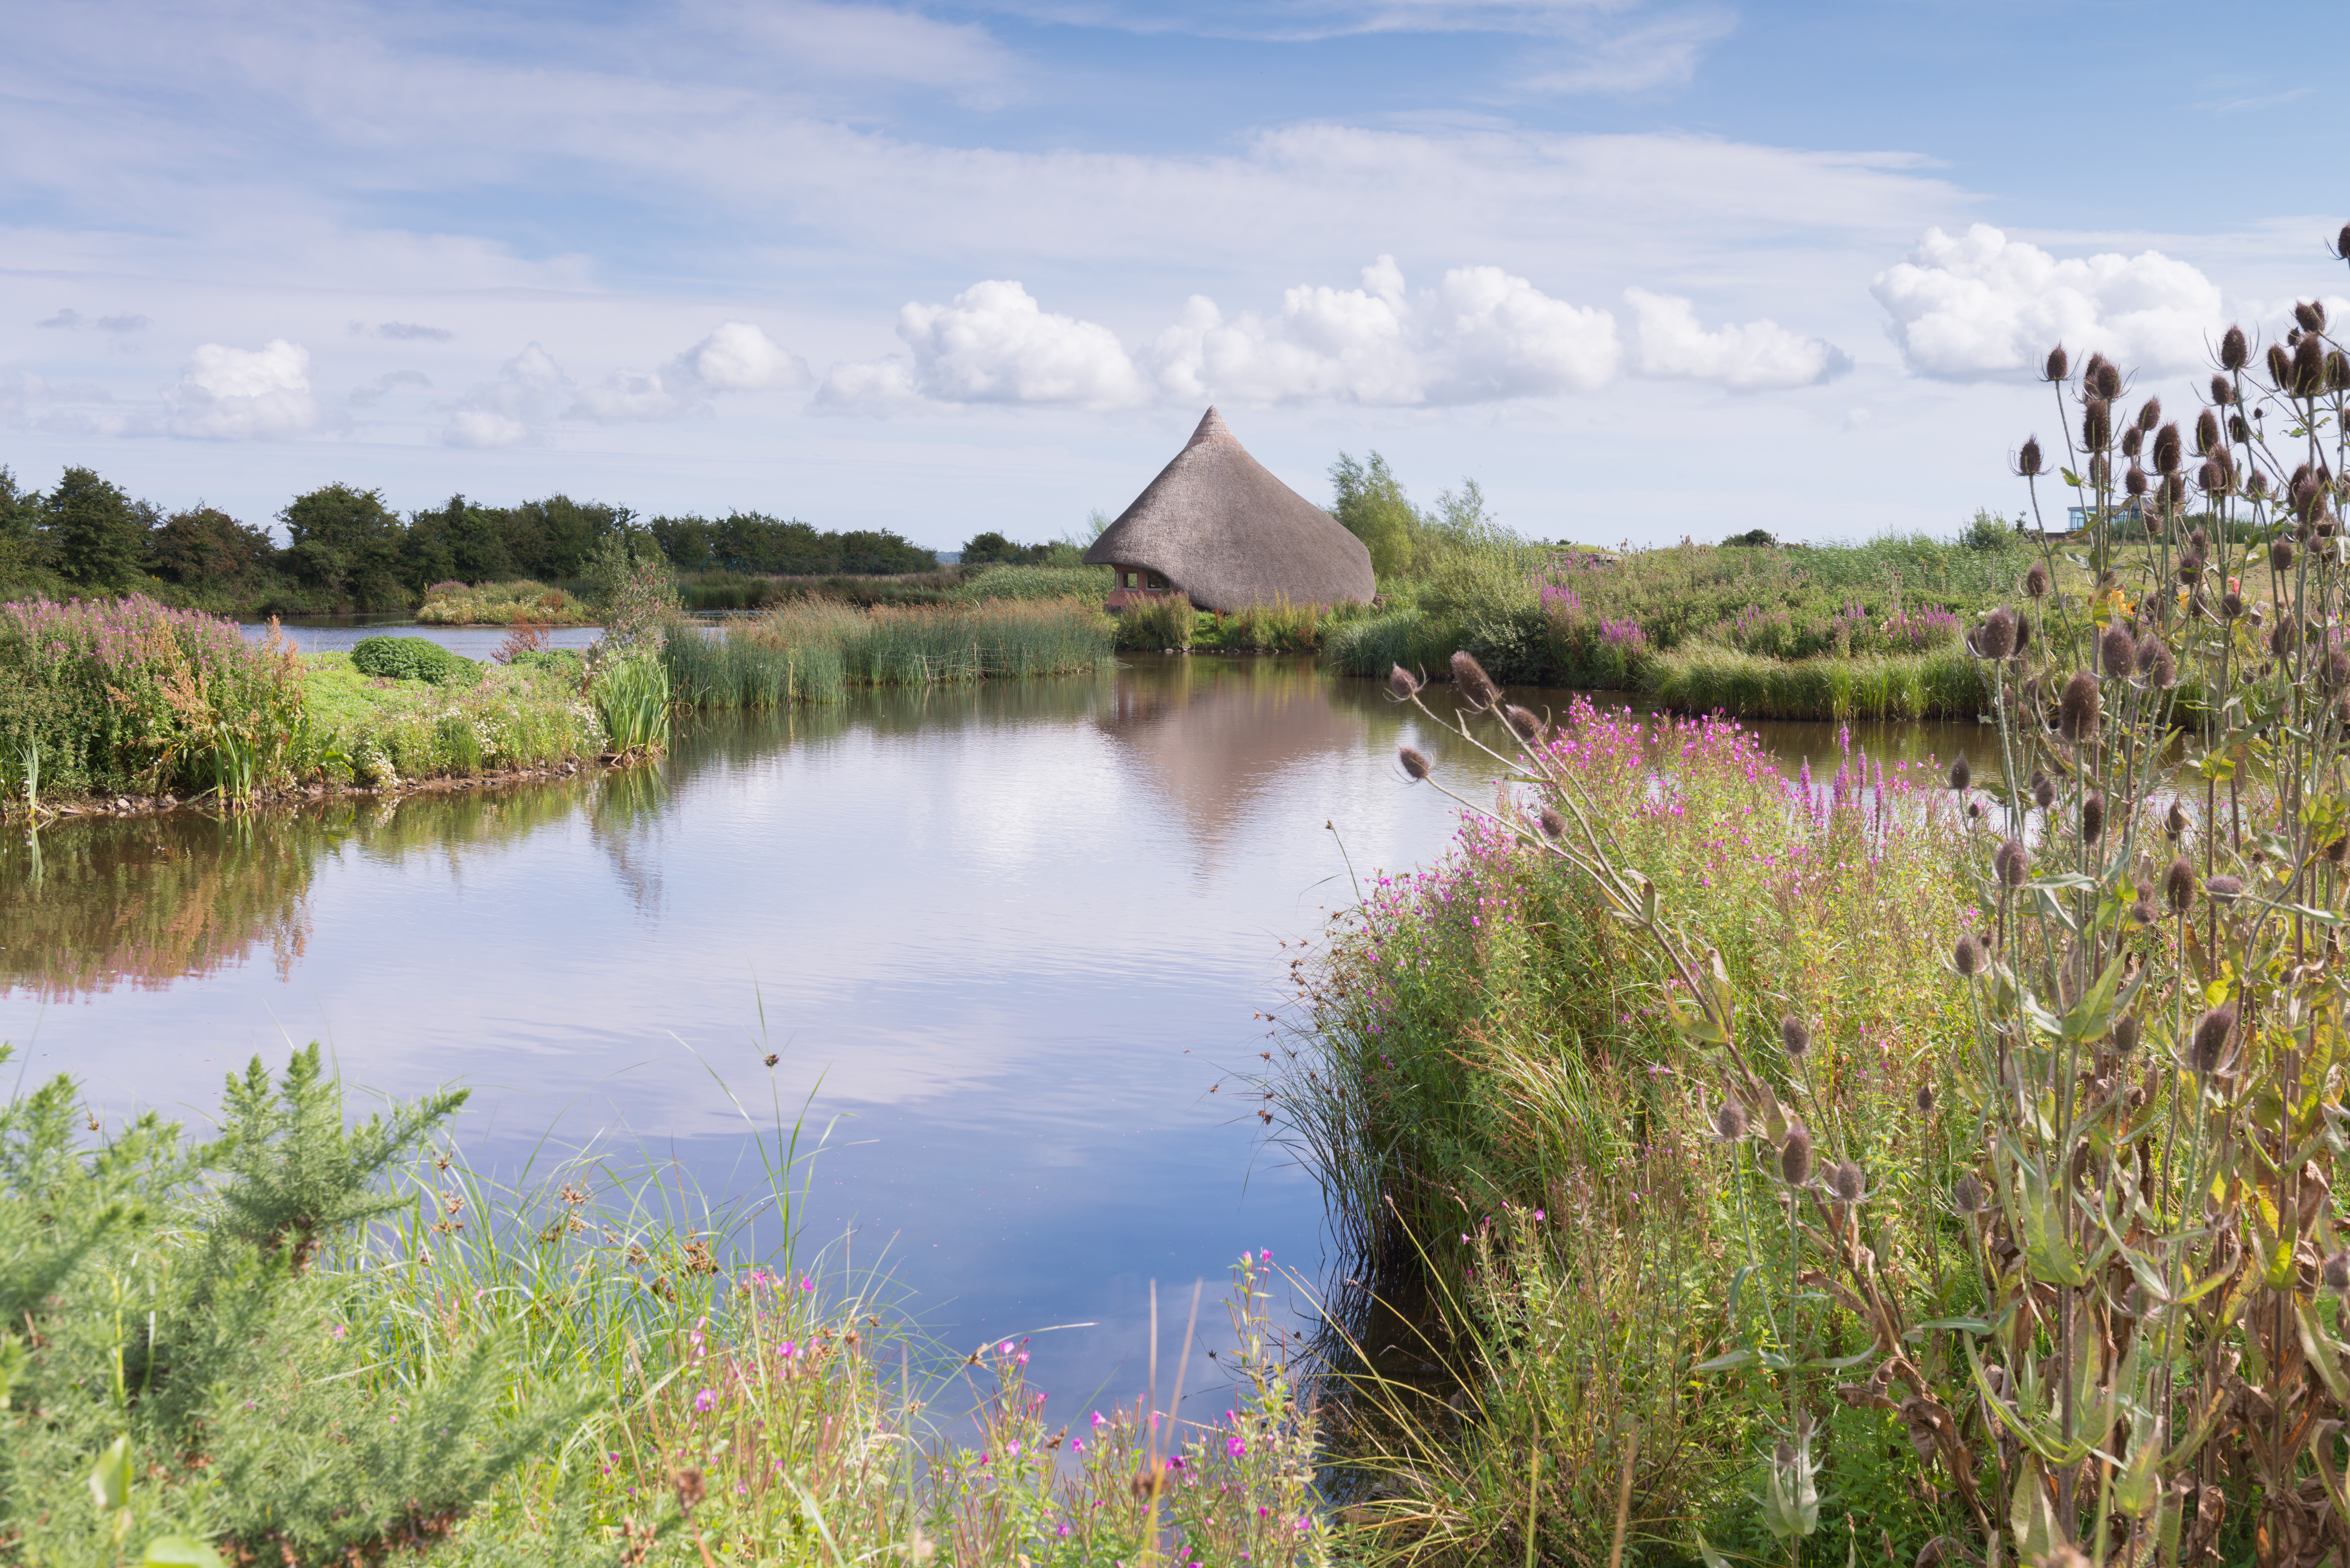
[(1642, 270)]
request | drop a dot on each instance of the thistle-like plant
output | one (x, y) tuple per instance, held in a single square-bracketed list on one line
[(2146, 1112)]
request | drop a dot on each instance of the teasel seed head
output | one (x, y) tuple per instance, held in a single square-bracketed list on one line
[(2132, 442), (2238, 431), (2156, 665), (2104, 378), (2234, 352), (2338, 849), (2097, 424), (2337, 666), (2223, 889), (1962, 774), (2342, 244), (2337, 370), (1967, 1196), (2335, 1274), (2209, 1046), (2280, 364), (2282, 639), (1522, 723), (2210, 478), (2281, 555), (2126, 1034), (2207, 432), (1966, 957), (2119, 650), (1554, 825), (2134, 483), (1925, 1098), (2044, 790), (1403, 682), (1995, 638), (2077, 706), (2101, 470), (2223, 392), (2028, 459), (1795, 1035), (2198, 541), (1475, 683), (2309, 368), (2022, 634), (2191, 568), (2035, 581), (2174, 490), (2310, 315), (1977, 811), (2150, 414), (2093, 818), (2012, 861), (1795, 1157), (2175, 822), (2166, 449), (2231, 605), (2058, 364), (1730, 1121), (1415, 761), (1848, 1183), (2178, 883)]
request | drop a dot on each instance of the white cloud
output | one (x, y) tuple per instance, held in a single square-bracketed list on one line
[(243, 394), (876, 43), (741, 358), (1758, 355), (1981, 305), (994, 344), (513, 410)]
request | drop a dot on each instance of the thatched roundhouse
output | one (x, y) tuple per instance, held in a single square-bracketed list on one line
[(1217, 526)]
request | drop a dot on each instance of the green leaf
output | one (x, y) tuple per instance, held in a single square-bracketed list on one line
[(1729, 1361), (1963, 1324), (110, 1482), (179, 1551)]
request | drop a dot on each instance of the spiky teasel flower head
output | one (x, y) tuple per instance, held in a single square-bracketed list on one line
[(2102, 379), (2231, 605), (2337, 672), (1475, 683), (2309, 368), (2058, 364), (2012, 861), (2240, 434), (2310, 315), (1795, 1035), (1730, 1121), (2174, 822), (2134, 483), (2222, 394), (2097, 424), (2166, 449), (1554, 825), (1962, 773), (2126, 1034), (1415, 761), (2281, 555), (2223, 889), (2337, 370), (1966, 957), (2279, 360), (2035, 581), (1795, 1157), (2208, 1045), (2028, 460), (2155, 665), (2342, 244), (2335, 1274), (2191, 568), (2077, 707), (2174, 491), (2178, 882), (1522, 724), (2093, 818), (2133, 440), (2212, 478), (2234, 352), (2206, 428), (1403, 683), (2044, 790), (2150, 414), (1967, 1196), (2118, 651), (1924, 1100), (1995, 638), (1848, 1183), (2283, 638)]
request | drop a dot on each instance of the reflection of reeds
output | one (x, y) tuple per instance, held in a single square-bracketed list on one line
[(812, 650)]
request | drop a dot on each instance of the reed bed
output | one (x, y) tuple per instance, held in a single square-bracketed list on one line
[(1704, 679), (811, 651)]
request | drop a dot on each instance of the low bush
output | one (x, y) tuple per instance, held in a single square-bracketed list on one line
[(1946, 684), (412, 658), (501, 604), (354, 729), (1154, 624), (1027, 582)]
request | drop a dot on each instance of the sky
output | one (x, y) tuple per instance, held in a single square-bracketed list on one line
[(1642, 271)]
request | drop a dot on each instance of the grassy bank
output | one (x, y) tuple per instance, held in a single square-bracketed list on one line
[(814, 651), (129, 698), (502, 604), (305, 1340)]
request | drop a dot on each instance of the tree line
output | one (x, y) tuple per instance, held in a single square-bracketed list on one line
[(346, 550)]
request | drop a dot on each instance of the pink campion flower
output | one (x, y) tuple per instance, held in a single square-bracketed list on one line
[(1077, 1445), (786, 1350), (807, 1284), (1012, 1447), (1099, 1420), (706, 1401), (1235, 1447)]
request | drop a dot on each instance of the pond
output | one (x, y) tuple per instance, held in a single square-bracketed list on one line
[(1012, 945)]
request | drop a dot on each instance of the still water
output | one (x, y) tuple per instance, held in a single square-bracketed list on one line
[(1010, 943)]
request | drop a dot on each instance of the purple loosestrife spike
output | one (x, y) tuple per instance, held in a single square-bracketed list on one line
[(1403, 682), (2119, 650), (2178, 883), (1795, 1157), (2126, 1034), (2058, 364), (2223, 890), (1475, 683), (2209, 1048), (1966, 957), (2166, 449), (2012, 861), (2035, 581), (2310, 315), (1795, 1035), (2207, 427), (1962, 774), (2335, 1274), (2150, 414), (2077, 706), (2234, 352), (1730, 1121), (1415, 761), (2093, 818), (2028, 460), (1967, 1196), (1848, 1182)]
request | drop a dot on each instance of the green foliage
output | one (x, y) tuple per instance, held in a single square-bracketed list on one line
[(563, 663), (754, 542), (356, 730), (632, 695), (345, 543), (810, 651), (1372, 503), (96, 538), (1163, 621), (412, 658), (633, 590), (206, 546), (500, 604), (1038, 582), (1944, 685), (174, 1330)]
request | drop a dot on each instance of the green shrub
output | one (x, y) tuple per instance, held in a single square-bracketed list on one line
[(356, 729), (632, 696), (1024, 582), (565, 663), (412, 658), (1167, 621)]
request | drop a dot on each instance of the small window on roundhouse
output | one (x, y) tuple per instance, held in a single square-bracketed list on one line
[(1134, 579)]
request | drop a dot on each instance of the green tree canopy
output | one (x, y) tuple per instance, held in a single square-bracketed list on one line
[(1372, 505), (97, 537), (347, 543), (205, 545)]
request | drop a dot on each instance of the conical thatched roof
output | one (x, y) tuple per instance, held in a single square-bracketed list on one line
[(1217, 525)]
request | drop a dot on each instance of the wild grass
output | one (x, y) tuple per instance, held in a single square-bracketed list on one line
[(811, 651), (502, 604), (1167, 621), (354, 729), (631, 696), (1944, 685)]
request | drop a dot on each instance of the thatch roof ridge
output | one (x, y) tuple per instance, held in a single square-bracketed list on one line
[(1217, 523)]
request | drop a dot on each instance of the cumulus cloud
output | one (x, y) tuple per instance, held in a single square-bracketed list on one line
[(243, 394), (409, 331), (737, 357), (1980, 305), (1759, 356), (69, 319), (512, 410), (372, 393)]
